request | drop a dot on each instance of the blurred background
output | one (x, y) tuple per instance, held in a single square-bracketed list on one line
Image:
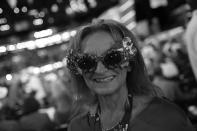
[(35, 87)]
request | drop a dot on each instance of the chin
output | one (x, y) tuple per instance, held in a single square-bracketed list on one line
[(105, 90), (103, 93)]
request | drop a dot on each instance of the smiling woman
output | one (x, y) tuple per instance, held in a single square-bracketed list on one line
[(105, 60)]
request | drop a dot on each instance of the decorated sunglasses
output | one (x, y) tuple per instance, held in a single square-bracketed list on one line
[(112, 59)]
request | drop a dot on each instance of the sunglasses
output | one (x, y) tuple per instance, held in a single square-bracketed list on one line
[(112, 59)]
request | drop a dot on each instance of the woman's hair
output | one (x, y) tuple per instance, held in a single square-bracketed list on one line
[(138, 82)]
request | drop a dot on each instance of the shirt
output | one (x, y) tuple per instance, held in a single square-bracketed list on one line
[(159, 115)]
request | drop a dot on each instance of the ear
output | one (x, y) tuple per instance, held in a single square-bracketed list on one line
[(125, 65)]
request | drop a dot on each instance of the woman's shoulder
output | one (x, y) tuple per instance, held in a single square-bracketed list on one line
[(165, 107), (161, 113), (166, 110)]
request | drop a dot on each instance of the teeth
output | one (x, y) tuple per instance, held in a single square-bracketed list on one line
[(105, 79)]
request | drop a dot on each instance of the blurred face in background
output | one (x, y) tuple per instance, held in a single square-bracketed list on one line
[(102, 81)]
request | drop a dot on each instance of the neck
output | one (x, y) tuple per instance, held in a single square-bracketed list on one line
[(115, 101)]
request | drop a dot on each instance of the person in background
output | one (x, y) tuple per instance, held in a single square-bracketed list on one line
[(30, 104), (191, 36), (61, 97), (106, 62)]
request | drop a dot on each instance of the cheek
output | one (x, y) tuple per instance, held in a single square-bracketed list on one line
[(122, 76)]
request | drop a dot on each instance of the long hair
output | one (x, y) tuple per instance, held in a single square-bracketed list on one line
[(137, 81)]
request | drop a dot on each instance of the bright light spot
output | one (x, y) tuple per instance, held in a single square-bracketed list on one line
[(3, 20), (65, 61), (82, 6), (193, 109), (33, 12), (49, 111), (69, 11), (64, 47), (41, 43), (131, 25), (176, 31), (46, 68), (11, 47), (48, 41), (38, 21), (23, 45), (92, 3), (3, 92), (54, 8), (126, 5), (16, 10), (2, 49), (74, 6), (30, 45), (1, 10), (51, 77), (4, 27), (41, 14), (24, 9), (20, 46), (58, 65), (8, 77), (36, 70), (65, 36), (43, 33), (73, 33), (55, 39), (128, 16)]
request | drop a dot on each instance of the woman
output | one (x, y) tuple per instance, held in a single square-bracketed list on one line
[(105, 60)]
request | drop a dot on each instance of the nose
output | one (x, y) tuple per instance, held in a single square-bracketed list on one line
[(100, 68)]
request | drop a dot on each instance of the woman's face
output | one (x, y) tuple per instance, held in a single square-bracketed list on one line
[(102, 81)]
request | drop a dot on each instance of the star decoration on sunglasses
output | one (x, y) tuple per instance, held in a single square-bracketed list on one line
[(112, 59), (128, 45)]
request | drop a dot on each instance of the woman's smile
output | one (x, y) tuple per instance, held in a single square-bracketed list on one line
[(104, 79)]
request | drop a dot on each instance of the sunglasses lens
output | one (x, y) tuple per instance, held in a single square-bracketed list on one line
[(87, 63), (113, 59)]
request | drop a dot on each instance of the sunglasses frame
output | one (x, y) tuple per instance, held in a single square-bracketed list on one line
[(127, 52), (96, 59)]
